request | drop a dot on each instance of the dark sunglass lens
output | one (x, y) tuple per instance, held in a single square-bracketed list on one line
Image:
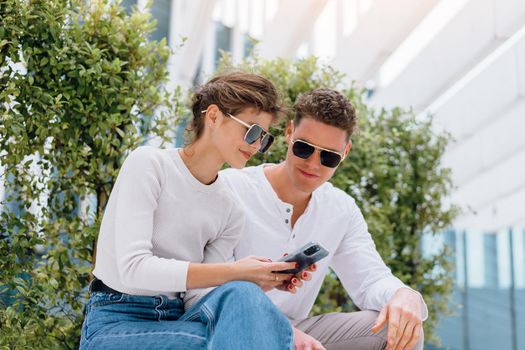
[(266, 142), (302, 150), (253, 134), (330, 159)]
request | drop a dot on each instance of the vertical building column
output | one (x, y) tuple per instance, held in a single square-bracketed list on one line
[(464, 295), (292, 24), (190, 20), (512, 293), (237, 39)]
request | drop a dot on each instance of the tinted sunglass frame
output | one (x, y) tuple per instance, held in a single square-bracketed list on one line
[(323, 153), (260, 134)]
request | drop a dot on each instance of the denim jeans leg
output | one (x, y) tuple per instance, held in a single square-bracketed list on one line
[(239, 315), (121, 321)]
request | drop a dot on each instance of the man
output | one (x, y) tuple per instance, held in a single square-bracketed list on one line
[(291, 203)]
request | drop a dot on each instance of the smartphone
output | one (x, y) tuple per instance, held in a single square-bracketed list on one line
[(305, 256)]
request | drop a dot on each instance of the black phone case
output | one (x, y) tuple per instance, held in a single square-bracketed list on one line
[(304, 259)]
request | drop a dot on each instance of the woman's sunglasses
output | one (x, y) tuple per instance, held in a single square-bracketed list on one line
[(255, 132), (304, 150)]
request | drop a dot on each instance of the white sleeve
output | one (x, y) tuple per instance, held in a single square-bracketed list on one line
[(139, 185), (364, 275)]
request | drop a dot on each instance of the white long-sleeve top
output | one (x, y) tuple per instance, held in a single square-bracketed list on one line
[(331, 218), (158, 219)]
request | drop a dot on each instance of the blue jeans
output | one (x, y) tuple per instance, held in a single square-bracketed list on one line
[(236, 315)]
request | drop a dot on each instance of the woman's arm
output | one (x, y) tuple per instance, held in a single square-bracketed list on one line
[(138, 188), (253, 269), (131, 208)]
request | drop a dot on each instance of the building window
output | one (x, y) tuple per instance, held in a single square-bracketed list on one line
[(161, 10), (491, 260)]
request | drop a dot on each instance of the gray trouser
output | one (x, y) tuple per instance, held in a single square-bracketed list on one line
[(338, 331)]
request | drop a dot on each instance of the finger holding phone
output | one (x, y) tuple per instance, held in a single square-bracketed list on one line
[(305, 259), (263, 271)]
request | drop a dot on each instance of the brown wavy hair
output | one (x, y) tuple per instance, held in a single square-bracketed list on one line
[(233, 92), (328, 106)]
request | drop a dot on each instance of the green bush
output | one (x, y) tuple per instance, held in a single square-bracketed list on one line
[(79, 88), (393, 172)]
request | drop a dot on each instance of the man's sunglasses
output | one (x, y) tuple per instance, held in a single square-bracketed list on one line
[(304, 150), (255, 132)]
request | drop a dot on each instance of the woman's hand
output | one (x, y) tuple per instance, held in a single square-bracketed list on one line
[(295, 282), (261, 271)]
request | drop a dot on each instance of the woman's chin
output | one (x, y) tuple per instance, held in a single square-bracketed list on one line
[(237, 163)]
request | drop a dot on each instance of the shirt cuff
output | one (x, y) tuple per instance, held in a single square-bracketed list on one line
[(181, 276), (424, 308)]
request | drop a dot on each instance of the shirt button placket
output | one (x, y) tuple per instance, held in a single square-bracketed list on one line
[(287, 218)]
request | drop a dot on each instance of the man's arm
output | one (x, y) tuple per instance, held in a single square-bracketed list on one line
[(371, 285)]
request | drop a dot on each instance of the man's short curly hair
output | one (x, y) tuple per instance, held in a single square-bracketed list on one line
[(327, 106)]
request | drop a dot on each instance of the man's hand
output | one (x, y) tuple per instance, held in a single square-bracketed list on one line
[(403, 314), (303, 341)]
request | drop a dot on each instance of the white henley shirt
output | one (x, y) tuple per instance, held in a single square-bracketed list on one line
[(331, 218)]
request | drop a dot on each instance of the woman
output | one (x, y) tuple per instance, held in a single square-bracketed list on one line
[(171, 225)]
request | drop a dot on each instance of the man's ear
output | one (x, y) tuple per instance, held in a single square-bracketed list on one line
[(289, 131), (348, 147)]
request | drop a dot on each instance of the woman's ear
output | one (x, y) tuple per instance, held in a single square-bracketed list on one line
[(213, 116)]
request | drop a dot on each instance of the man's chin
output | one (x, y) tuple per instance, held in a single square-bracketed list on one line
[(306, 186)]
